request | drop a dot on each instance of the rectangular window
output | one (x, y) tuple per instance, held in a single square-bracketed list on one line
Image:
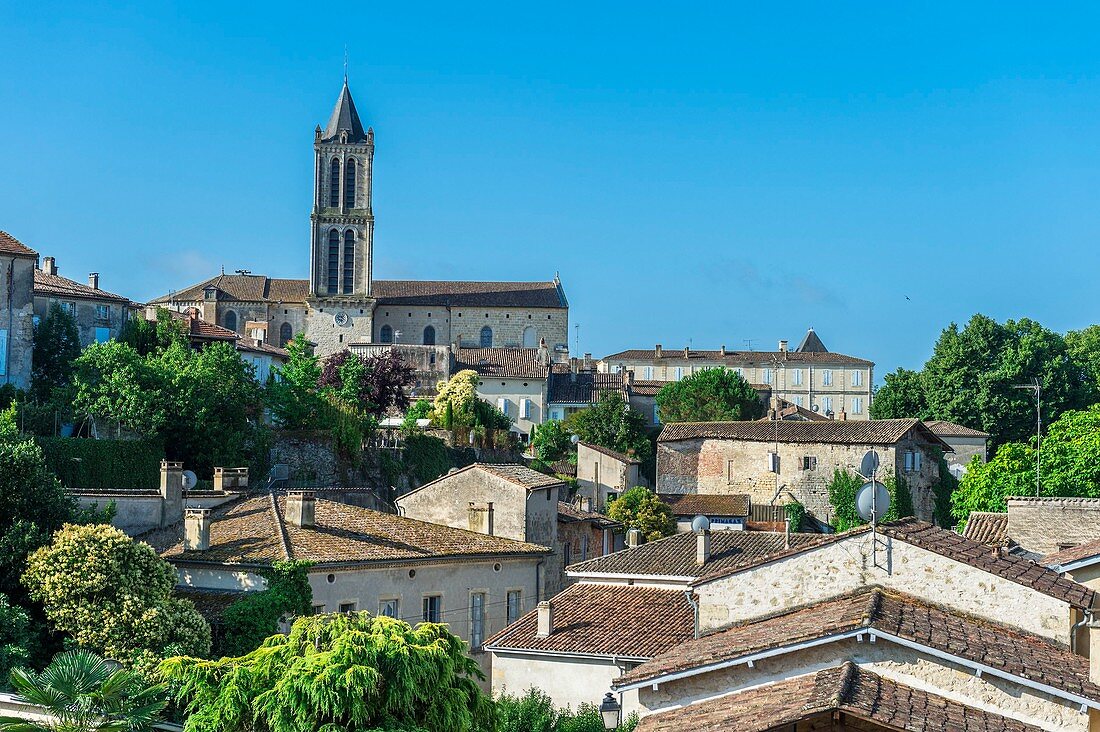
[(584, 547), (477, 619), (773, 462), (826, 404), (3, 351), (102, 335), (798, 401), (433, 608), (69, 307), (857, 378), (648, 371), (826, 377), (729, 471), (796, 377), (617, 368), (679, 373), (103, 313), (857, 405), (916, 461), (809, 462), (390, 608), (318, 609), (908, 461), (656, 414), (739, 371), (347, 607), (566, 554), (766, 375), (502, 405), (527, 408), (515, 605)]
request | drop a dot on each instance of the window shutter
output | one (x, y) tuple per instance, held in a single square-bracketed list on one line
[(502, 405)]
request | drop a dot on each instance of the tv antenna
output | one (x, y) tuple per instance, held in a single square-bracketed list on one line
[(243, 271), (748, 343), (872, 498), (1036, 387)]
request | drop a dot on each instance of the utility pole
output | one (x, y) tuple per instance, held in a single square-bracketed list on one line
[(1038, 389)]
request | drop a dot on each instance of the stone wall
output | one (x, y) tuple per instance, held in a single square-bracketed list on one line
[(310, 455), (847, 565), (19, 337), (463, 325), (87, 316), (599, 474), (1045, 525), (713, 466), (330, 336), (462, 499)]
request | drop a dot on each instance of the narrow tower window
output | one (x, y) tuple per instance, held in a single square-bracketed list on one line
[(334, 185), (286, 333), (386, 335), (349, 182), (231, 320), (349, 261), (333, 261), (429, 336), (486, 337)]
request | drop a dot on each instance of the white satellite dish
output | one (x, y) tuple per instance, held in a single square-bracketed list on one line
[(700, 523), (872, 501), (190, 480)]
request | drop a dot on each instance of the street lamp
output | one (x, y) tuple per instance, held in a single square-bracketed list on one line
[(609, 710)]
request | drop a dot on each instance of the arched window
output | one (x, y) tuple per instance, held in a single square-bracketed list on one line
[(349, 261), (349, 183), (386, 334), (530, 337), (429, 336), (334, 184), (486, 337), (333, 261), (286, 333), (231, 320)]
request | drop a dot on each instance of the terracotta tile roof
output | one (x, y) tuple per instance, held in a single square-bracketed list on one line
[(987, 528), (695, 504), (1062, 557), (947, 544), (10, 245), (255, 531), (568, 513), (469, 294), (950, 429), (512, 363), (621, 457), (49, 285), (837, 432), (647, 388), (995, 645), (674, 556), (254, 345), (606, 620), (199, 329), (210, 603), (585, 387), (245, 288), (736, 358), (845, 689)]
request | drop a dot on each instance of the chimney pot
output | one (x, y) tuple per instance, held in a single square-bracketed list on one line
[(196, 530), (702, 547), (633, 538), (782, 346), (301, 508), (628, 377), (722, 351), (657, 350), (545, 619), (49, 265), (687, 352), (93, 280)]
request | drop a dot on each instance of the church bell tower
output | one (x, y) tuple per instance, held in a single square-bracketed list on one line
[(341, 308)]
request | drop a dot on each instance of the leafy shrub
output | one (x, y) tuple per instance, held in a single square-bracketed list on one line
[(103, 464), (795, 513), (640, 508), (255, 617)]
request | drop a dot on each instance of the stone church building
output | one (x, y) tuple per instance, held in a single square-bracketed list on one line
[(341, 304)]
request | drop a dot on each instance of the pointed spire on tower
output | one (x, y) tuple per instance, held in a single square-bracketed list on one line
[(344, 119)]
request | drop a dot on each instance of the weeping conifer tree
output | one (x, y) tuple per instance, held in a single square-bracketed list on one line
[(343, 672)]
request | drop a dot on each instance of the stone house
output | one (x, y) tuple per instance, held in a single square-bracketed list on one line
[(340, 304), (777, 461), (603, 474), (809, 376), (966, 444), (725, 512), (99, 315), (17, 265), (576, 386), (512, 379), (362, 560)]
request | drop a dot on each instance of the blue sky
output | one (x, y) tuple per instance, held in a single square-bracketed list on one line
[(703, 175)]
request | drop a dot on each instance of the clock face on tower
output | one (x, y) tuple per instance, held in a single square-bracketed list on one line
[(340, 318)]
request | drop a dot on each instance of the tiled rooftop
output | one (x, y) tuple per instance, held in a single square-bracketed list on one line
[(837, 432), (695, 504), (57, 286), (468, 294), (255, 531), (568, 513), (584, 387), (1073, 554), (735, 358), (10, 245), (987, 528), (614, 454), (606, 620), (513, 363), (843, 690), (950, 429)]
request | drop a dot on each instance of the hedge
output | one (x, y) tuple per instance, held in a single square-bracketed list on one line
[(103, 465)]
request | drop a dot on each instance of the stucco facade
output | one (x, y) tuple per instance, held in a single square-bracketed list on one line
[(17, 264), (603, 474)]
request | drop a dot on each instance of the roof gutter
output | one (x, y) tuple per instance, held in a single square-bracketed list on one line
[(614, 658)]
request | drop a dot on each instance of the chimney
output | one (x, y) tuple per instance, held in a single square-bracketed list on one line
[(587, 361), (196, 530), (49, 265), (782, 346), (633, 538), (657, 350), (93, 280), (481, 517), (230, 479), (722, 351), (545, 619), (843, 416), (301, 508), (687, 352), (573, 369), (543, 353), (171, 492), (628, 378), (702, 547)]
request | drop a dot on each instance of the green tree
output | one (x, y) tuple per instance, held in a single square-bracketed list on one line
[(85, 693), (901, 397), (455, 399), (611, 423), (640, 508), (114, 381), (1083, 347), (843, 488), (16, 638), (421, 409), (255, 617), (552, 442), (534, 711), (710, 395), (113, 596), (294, 396), (56, 346), (342, 672), (149, 337)]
